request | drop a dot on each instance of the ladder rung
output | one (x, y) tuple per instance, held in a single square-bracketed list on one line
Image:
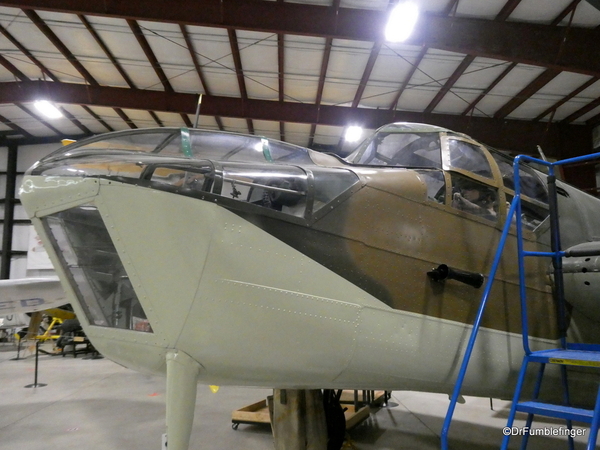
[(585, 358), (557, 411), (549, 254)]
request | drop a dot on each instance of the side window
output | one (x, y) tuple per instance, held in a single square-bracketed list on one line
[(436, 184), (280, 188), (474, 198), (412, 149), (467, 156), (176, 177), (199, 179), (506, 170), (402, 150), (533, 213), (97, 275), (531, 185)]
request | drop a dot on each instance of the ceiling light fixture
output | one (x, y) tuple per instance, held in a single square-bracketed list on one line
[(48, 109), (401, 22), (353, 134)]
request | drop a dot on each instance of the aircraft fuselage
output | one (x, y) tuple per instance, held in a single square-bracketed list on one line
[(272, 265)]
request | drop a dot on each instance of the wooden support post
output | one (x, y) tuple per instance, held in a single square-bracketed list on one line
[(299, 420)]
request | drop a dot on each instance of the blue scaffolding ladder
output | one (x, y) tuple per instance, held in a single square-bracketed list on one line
[(587, 355)]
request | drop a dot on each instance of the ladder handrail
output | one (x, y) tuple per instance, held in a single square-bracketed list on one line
[(520, 255), (556, 254)]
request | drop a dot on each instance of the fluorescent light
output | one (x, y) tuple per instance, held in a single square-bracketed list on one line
[(48, 109), (401, 22), (353, 134)]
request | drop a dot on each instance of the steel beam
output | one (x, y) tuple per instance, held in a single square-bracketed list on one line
[(517, 135), (528, 43), (9, 209)]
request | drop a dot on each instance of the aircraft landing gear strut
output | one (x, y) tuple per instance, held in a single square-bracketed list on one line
[(182, 381)]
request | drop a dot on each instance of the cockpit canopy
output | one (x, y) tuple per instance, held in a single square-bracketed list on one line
[(274, 175), (194, 144), (282, 177), (448, 162), (401, 145)]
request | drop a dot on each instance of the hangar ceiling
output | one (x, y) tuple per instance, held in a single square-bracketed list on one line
[(512, 73)]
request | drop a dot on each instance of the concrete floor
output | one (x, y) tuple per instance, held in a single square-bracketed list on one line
[(96, 404)]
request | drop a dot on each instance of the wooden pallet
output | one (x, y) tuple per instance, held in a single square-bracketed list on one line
[(355, 416), (259, 412), (255, 413), (378, 397)]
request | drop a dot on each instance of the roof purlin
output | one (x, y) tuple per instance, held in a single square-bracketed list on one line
[(15, 127), (62, 48), (507, 9), (565, 99), (468, 59), (321, 84), (541, 80), (237, 61), (544, 78), (17, 73), (199, 71), (12, 69), (139, 35), (498, 79), (466, 62), (112, 59), (27, 53), (280, 75), (38, 118)]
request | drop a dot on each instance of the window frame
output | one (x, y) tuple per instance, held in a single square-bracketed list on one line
[(496, 182)]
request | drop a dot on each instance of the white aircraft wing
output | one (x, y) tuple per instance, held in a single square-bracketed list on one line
[(30, 294)]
